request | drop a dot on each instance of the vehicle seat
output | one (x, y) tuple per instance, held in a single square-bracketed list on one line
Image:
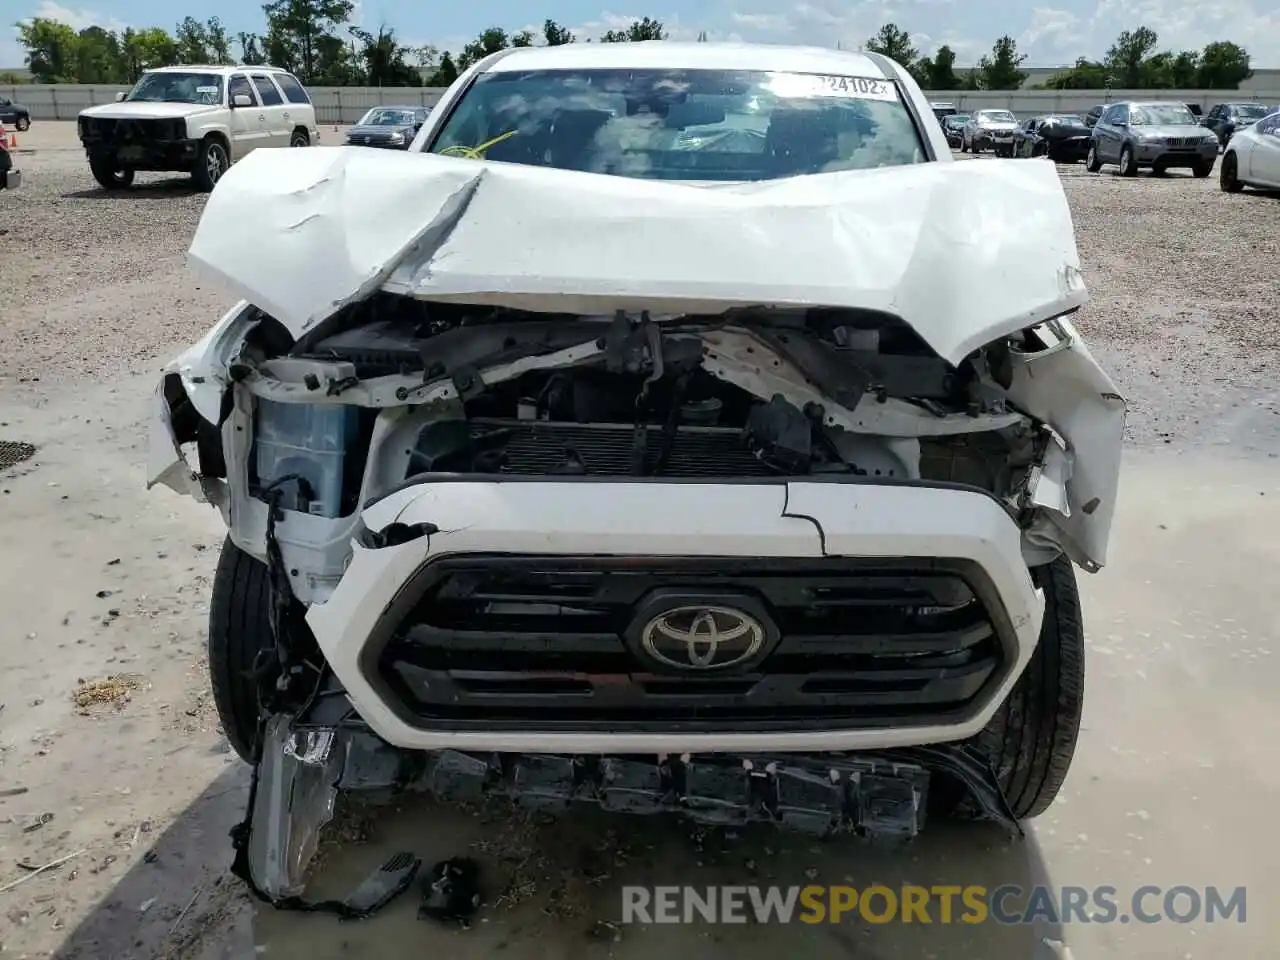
[(571, 136), (801, 141)]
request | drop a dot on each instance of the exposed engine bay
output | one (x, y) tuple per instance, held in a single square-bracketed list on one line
[(749, 394)]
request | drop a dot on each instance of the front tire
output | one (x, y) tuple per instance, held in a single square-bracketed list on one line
[(1091, 161), (239, 630), (22, 124), (1128, 165), (1202, 170), (300, 138), (1228, 174), (1032, 737), (108, 175), (212, 161)]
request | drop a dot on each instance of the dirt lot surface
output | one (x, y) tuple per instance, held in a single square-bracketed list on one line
[(111, 756)]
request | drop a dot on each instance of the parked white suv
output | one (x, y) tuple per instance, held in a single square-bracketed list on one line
[(619, 443), (197, 120)]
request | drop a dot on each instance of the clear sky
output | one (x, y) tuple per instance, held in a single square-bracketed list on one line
[(1053, 33)]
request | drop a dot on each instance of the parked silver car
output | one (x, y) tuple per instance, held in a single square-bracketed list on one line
[(990, 128), (1155, 134)]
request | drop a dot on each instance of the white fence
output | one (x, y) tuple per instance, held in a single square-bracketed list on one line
[(347, 104)]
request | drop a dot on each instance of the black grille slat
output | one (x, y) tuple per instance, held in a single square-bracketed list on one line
[(543, 642)]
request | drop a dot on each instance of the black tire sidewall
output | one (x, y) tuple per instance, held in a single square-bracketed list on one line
[(1032, 737), (201, 173), (239, 629), (109, 176)]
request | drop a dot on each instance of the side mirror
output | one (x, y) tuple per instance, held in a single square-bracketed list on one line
[(242, 100), (120, 97)]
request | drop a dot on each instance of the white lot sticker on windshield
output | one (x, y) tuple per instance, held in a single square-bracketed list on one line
[(831, 85), (206, 89)]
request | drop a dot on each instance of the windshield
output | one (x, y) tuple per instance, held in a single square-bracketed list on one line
[(1174, 114), (389, 117), (174, 87), (1253, 110), (712, 125), (996, 116)]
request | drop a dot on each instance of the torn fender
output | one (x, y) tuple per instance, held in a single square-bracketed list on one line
[(963, 252), (202, 370)]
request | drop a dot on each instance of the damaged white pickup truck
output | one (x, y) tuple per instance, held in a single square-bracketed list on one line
[(673, 428)]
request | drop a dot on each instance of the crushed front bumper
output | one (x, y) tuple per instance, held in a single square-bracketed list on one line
[(742, 527), (304, 767)]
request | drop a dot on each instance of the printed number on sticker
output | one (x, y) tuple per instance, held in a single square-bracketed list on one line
[(828, 85), (857, 86)]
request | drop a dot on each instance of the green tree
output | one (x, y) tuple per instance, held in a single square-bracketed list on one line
[(250, 49), (939, 71), (147, 48), (52, 49), (193, 41), (1000, 70), (219, 42), (555, 35), (490, 41), (523, 39), (98, 57), (382, 58), (445, 73), (301, 32), (1184, 69), (1085, 75), (895, 43), (646, 29), (1223, 66), (1127, 58)]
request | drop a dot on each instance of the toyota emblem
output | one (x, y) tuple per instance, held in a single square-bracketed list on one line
[(702, 638)]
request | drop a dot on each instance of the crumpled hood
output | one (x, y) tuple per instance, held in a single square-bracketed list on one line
[(146, 110), (962, 252)]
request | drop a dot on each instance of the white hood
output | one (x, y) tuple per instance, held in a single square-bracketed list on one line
[(147, 110), (963, 252)]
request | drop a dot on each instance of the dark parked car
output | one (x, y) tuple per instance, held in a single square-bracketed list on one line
[(1062, 137), (1160, 134), (392, 128), (14, 114), (953, 127), (1225, 119), (9, 177), (943, 110)]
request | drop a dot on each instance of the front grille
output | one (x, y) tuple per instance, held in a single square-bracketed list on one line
[(517, 641), (1182, 141), (129, 131), (540, 448)]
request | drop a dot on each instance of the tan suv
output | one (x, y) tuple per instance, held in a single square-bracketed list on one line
[(197, 120)]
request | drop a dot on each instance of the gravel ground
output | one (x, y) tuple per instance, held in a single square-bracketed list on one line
[(110, 752)]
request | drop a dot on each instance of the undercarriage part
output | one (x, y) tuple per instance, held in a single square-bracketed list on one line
[(292, 797), (303, 769)]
